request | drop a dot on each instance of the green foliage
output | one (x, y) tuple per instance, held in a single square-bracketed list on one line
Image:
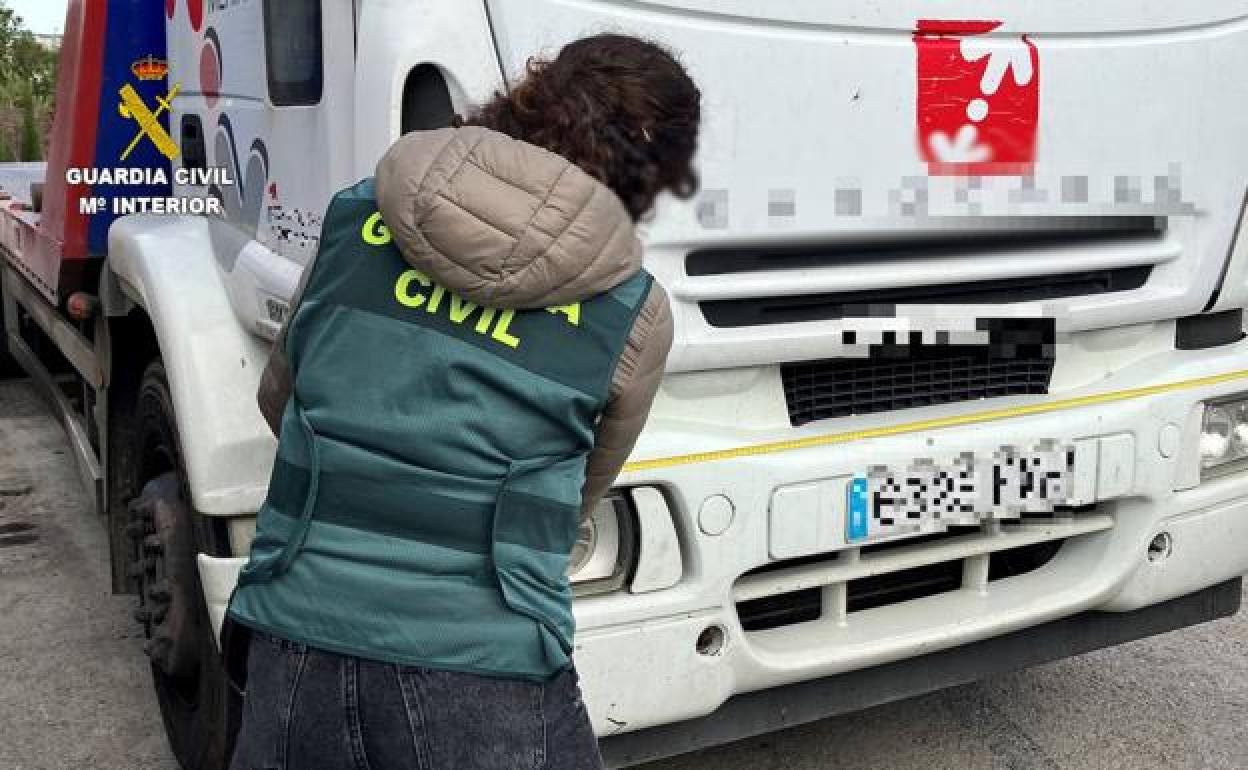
[(32, 143), (27, 87), (22, 58)]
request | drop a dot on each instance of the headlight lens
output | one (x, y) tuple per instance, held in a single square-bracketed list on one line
[(605, 552), (1224, 436), (1240, 441)]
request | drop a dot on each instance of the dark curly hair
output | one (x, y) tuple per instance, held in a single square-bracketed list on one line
[(621, 108)]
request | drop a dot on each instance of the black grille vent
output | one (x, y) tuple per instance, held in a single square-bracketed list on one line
[(1023, 234), (762, 311), (890, 587), (907, 376)]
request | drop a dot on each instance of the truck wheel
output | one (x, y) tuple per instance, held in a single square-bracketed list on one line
[(199, 709)]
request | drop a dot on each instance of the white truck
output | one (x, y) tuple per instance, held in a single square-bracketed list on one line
[(959, 381)]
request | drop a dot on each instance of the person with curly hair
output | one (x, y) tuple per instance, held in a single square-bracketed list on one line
[(470, 359)]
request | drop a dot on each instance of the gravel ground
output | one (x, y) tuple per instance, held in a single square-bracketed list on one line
[(75, 692)]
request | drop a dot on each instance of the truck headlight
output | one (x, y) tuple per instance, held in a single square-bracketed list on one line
[(605, 552), (1224, 436)]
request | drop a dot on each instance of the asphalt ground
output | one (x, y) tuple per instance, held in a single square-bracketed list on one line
[(75, 690)]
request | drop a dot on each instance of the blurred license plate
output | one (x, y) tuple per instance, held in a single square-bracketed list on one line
[(929, 497)]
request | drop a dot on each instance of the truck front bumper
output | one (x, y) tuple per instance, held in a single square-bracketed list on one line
[(765, 711), (1154, 533)]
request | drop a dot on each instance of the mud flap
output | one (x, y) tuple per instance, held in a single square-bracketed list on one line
[(219, 578)]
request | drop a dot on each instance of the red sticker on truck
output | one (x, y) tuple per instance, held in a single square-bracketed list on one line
[(978, 99)]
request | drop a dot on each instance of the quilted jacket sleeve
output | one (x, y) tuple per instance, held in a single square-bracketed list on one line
[(275, 381), (633, 388)]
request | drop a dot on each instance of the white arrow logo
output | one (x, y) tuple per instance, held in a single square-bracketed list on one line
[(964, 148), (1002, 56)]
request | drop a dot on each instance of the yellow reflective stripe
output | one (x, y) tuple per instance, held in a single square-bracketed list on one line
[(917, 426)]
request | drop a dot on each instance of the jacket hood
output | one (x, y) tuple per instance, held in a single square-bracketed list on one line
[(501, 222)]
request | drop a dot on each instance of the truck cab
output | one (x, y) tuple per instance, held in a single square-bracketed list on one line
[(959, 349)]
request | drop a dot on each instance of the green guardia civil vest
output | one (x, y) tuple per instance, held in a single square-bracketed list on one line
[(426, 491)]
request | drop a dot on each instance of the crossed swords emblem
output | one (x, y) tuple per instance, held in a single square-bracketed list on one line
[(132, 106)]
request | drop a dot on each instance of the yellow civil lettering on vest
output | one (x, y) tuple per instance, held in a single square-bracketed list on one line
[(417, 291), (408, 292), (375, 232)]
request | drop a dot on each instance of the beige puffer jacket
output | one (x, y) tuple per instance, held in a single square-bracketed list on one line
[(506, 224)]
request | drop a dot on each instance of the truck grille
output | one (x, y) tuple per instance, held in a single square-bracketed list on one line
[(1051, 235), (840, 585), (733, 313), (784, 299), (1018, 361)]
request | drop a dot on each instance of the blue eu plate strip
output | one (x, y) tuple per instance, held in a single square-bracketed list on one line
[(856, 522)]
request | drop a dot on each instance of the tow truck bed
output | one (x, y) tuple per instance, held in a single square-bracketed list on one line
[(16, 178), (17, 222)]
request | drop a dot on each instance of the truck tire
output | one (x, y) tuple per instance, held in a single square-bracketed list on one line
[(199, 709)]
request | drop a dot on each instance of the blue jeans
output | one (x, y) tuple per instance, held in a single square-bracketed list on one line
[(306, 709)]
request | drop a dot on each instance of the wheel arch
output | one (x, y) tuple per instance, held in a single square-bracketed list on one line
[(162, 274)]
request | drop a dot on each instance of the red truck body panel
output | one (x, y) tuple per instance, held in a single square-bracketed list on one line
[(51, 248)]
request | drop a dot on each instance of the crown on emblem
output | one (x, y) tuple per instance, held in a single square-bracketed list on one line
[(149, 68)]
